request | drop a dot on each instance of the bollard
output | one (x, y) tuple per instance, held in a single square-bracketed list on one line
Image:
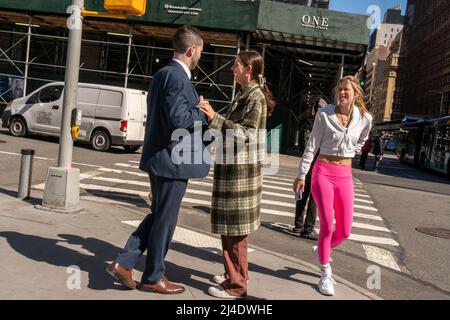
[(26, 168)]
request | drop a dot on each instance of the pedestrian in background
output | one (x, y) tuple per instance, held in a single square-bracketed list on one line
[(237, 186), (367, 147), (339, 131), (305, 208), (172, 104), (377, 151)]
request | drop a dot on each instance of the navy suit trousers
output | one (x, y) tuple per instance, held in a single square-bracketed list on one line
[(155, 232)]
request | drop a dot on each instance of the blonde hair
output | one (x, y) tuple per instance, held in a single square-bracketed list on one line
[(359, 94)]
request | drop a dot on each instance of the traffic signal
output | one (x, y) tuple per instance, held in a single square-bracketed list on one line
[(132, 7), (363, 78), (119, 9)]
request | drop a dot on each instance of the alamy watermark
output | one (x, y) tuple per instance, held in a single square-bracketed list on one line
[(230, 146), (375, 17), (374, 280), (73, 281), (75, 20)]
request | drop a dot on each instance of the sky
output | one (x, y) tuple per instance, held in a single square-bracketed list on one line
[(360, 6)]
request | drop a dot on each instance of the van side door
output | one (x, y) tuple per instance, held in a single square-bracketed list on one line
[(46, 109)]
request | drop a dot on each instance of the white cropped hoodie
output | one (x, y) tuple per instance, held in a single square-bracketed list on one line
[(332, 138)]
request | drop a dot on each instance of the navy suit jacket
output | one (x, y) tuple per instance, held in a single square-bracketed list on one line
[(171, 105)]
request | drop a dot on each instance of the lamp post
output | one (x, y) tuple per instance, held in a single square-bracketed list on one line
[(442, 100)]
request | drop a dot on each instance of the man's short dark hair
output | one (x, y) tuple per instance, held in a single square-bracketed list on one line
[(185, 37)]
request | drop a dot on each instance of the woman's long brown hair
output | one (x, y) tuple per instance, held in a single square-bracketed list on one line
[(254, 59)]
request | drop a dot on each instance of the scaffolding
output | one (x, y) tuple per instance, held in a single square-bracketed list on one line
[(33, 55)]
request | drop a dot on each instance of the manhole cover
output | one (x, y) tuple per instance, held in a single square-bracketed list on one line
[(435, 232)]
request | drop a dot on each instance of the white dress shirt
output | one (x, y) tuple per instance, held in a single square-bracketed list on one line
[(185, 67)]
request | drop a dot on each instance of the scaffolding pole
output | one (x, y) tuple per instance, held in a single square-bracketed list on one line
[(130, 37), (27, 57)]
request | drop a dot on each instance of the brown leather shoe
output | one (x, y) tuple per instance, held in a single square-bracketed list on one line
[(164, 286), (121, 274)]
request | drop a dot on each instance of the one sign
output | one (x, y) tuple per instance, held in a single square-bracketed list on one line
[(315, 22)]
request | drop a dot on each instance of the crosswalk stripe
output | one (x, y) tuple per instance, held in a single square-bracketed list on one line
[(277, 183), (132, 161), (126, 165), (364, 226), (365, 207), (361, 195), (139, 174), (291, 180), (289, 196), (370, 227), (370, 239), (121, 181), (364, 201), (367, 216)]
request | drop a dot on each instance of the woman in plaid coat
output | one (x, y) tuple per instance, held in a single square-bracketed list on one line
[(237, 183)]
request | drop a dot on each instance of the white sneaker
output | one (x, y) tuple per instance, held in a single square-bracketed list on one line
[(326, 285), (220, 278), (315, 252), (219, 292)]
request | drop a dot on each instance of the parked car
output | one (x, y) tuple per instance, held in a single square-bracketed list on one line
[(110, 115), (391, 145)]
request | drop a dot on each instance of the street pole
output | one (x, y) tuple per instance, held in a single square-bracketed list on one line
[(62, 190)]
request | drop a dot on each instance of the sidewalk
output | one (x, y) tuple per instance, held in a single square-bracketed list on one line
[(37, 247)]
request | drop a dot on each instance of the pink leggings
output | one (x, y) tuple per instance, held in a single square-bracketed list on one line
[(332, 189)]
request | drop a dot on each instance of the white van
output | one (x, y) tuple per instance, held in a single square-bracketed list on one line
[(110, 115)]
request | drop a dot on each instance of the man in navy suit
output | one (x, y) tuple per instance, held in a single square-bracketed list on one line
[(173, 112)]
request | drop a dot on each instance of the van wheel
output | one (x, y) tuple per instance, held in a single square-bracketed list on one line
[(131, 148), (17, 127), (100, 141)]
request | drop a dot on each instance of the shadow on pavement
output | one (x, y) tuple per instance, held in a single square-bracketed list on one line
[(50, 251), (53, 251), (13, 194), (285, 273), (135, 200)]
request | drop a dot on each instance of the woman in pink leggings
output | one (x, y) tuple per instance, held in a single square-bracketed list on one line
[(339, 131)]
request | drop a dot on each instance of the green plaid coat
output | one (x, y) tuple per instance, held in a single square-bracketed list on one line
[(237, 186)]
